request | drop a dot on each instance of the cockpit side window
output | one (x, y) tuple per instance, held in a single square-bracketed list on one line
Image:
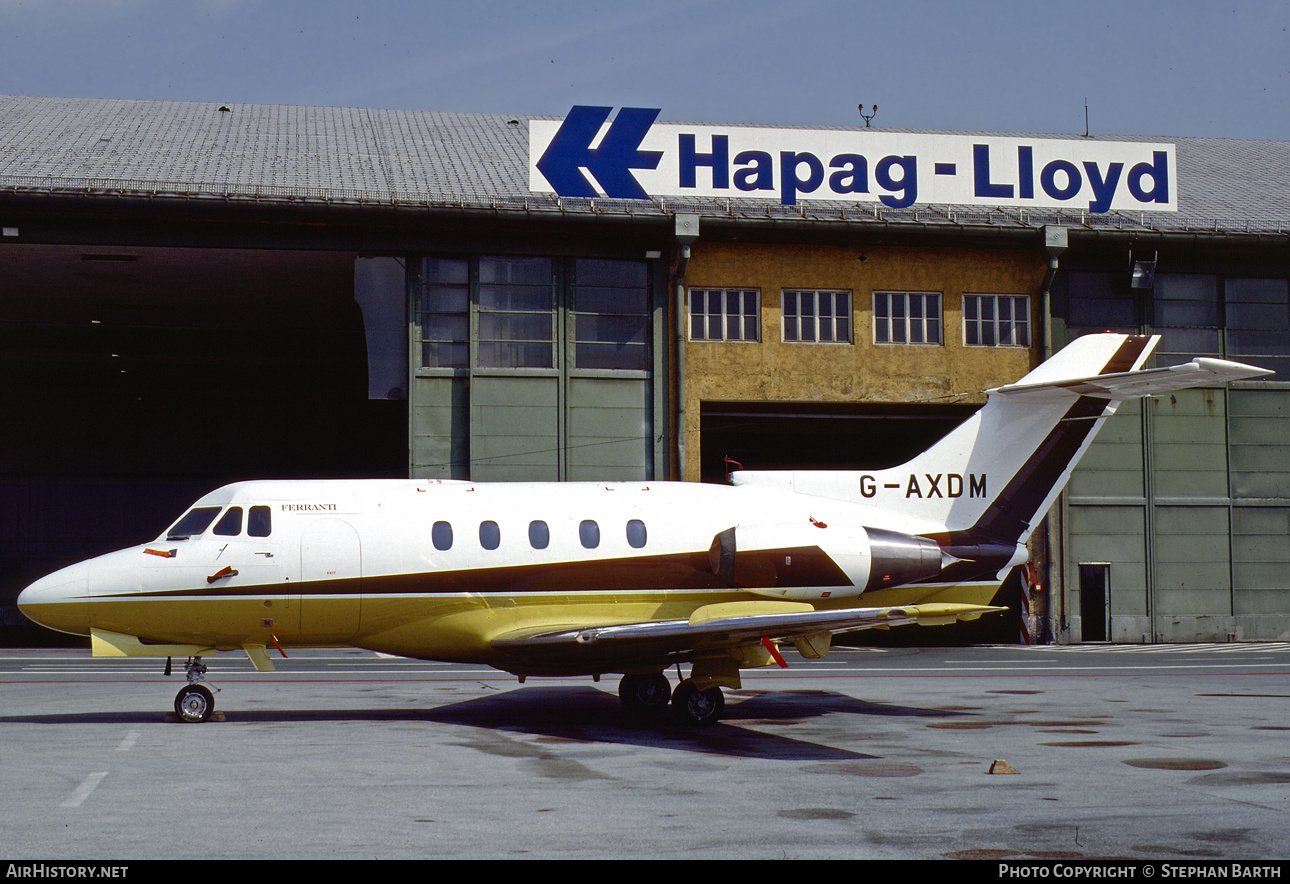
[(259, 523), (230, 525), (195, 521)]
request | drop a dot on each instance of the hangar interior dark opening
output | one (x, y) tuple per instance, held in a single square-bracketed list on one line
[(818, 436), (137, 379)]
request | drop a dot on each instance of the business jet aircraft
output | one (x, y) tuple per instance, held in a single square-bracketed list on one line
[(630, 578)]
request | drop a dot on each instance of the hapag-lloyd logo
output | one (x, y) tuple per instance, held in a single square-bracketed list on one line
[(633, 157)]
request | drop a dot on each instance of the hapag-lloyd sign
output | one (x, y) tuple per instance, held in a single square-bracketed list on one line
[(633, 157)]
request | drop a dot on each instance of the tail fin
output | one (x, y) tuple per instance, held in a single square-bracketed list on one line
[(992, 479)]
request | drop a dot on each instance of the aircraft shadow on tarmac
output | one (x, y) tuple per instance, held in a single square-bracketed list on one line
[(585, 714)]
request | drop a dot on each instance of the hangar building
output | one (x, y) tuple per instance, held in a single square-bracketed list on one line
[(192, 294)]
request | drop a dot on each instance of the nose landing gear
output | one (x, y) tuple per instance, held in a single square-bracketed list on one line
[(195, 702)]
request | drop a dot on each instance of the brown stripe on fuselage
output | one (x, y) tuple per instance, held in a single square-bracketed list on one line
[(790, 567)]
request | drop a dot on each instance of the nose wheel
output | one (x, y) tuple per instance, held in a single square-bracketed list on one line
[(195, 702)]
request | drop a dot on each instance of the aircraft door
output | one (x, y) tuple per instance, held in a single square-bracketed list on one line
[(331, 571)]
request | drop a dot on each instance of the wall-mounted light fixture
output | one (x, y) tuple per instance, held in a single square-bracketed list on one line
[(1142, 271)]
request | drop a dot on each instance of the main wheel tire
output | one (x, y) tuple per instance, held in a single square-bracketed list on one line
[(694, 706), (644, 693), (194, 703)]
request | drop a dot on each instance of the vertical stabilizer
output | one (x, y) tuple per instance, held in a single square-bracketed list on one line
[(994, 477)]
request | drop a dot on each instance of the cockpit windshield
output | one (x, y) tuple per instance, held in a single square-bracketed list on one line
[(195, 521)]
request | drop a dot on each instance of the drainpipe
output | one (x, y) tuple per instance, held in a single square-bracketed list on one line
[(687, 231), (1056, 240)]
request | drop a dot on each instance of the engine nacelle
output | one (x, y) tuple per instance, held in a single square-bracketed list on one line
[(816, 561)]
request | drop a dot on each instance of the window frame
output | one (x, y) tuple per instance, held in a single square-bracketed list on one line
[(816, 316), (725, 317), (907, 318), (994, 320)]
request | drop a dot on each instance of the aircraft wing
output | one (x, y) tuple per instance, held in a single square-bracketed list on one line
[(721, 627)]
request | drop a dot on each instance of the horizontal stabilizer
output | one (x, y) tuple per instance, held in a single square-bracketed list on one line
[(1200, 372)]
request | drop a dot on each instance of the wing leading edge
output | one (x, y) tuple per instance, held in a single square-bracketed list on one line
[(720, 628)]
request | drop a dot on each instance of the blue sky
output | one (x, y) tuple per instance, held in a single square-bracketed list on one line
[(1146, 67)]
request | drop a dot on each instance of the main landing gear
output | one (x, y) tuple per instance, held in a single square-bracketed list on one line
[(650, 694), (195, 702)]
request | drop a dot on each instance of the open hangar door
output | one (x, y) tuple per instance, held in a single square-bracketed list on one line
[(137, 379), (846, 436)]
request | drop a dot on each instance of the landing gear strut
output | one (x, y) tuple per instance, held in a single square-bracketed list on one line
[(195, 702)]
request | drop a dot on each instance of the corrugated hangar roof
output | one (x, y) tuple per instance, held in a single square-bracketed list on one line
[(456, 161)]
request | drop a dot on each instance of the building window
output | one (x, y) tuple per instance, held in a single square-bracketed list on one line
[(445, 313), (996, 320), (725, 315), (611, 306), (516, 313), (1185, 311), (817, 316), (1102, 302), (907, 318), (1258, 323)]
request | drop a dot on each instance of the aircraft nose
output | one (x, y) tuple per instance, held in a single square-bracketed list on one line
[(60, 601)]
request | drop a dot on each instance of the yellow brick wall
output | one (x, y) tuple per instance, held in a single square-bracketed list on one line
[(775, 371)]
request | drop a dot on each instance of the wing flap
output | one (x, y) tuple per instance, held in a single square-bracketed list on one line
[(738, 624)]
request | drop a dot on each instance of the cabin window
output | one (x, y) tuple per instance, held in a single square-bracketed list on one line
[(589, 534), (259, 523), (231, 523), (441, 535), (194, 522), (636, 533), (490, 536), (539, 535)]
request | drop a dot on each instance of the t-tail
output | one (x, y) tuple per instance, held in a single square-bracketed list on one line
[(981, 490)]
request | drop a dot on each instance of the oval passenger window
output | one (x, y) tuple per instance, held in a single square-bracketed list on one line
[(636, 534)]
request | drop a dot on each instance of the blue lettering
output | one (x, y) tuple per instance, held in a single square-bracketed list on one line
[(1103, 190), (1048, 179), (1158, 169), (761, 175), (1026, 172), (906, 184), (854, 174), (981, 174), (718, 161), (789, 184)]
